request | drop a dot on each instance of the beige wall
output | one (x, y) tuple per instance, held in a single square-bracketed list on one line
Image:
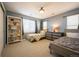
[(1, 30)]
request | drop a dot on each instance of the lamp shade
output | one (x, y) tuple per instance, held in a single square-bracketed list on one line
[(55, 28)]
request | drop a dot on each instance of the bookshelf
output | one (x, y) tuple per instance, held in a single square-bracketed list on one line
[(14, 29)]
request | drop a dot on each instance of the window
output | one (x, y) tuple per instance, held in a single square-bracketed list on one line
[(28, 25), (45, 25), (72, 22)]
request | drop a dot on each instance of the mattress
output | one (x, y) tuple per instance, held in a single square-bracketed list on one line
[(72, 43)]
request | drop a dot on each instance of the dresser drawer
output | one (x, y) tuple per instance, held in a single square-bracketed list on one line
[(54, 35)]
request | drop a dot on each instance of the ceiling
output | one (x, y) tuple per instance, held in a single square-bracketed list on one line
[(32, 8)]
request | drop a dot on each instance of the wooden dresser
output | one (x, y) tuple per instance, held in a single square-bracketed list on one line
[(54, 35)]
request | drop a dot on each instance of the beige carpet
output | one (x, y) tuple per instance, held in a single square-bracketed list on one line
[(28, 49)]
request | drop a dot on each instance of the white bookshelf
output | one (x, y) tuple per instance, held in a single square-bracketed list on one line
[(14, 29)]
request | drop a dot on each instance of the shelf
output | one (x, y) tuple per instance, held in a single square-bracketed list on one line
[(14, 29), (14, 41)]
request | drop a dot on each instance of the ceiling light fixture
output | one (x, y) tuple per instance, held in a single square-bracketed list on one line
[(42, 10)]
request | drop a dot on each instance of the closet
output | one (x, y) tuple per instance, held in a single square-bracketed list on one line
[(14, 29)]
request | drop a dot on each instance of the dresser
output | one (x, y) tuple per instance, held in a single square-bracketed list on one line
[(54, 35)]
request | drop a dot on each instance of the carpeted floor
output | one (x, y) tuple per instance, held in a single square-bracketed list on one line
[(28, 49)]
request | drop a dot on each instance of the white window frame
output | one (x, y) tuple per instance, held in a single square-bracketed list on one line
[(28, 26), (44, 25), (72, 22)]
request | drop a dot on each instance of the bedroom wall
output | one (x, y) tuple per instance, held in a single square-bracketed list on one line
[(20, 15), (26, 17), (38, 26), (1, 30), (60, 19)]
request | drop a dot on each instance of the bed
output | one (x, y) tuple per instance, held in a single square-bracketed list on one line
[(66, 46), (35, 36)]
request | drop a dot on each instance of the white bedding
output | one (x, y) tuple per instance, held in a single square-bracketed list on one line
[(35, 36)]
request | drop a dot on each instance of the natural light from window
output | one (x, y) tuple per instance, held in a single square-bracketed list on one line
[(72, 22), (44, 25), (28, 26)]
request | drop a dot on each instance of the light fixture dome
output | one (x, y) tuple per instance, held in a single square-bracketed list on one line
[(42, 10)]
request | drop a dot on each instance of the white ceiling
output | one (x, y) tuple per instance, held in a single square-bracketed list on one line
[(32, 8)]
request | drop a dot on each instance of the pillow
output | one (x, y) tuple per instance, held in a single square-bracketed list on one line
[(72, 35), (42, 32)]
